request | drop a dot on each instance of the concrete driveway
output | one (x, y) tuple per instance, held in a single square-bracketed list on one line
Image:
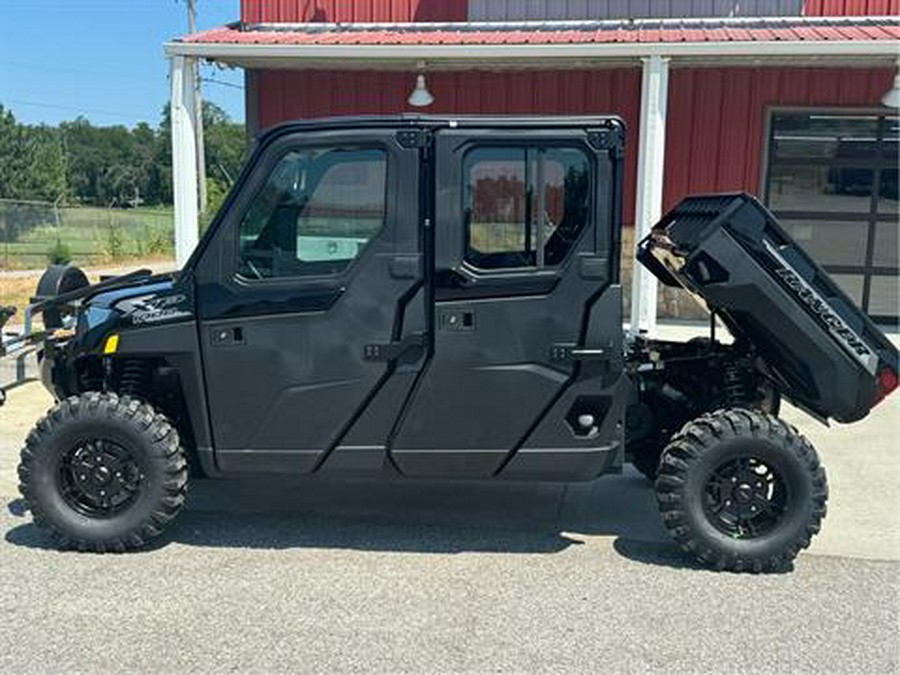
[(297, 575)]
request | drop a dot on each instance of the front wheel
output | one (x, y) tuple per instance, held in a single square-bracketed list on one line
[(741, 490), (102, 472)]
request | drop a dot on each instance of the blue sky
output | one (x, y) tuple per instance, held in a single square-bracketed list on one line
[(101, 58)]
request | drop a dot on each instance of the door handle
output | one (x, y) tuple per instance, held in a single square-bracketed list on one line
[(405, 266), (222, 337), (392, 351)]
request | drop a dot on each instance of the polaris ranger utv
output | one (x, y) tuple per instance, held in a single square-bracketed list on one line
[(439, 297)]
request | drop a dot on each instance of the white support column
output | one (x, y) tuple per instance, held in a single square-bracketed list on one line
[(184, 158), (648, 206)]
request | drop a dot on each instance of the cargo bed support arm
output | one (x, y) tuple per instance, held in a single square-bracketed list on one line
[(648, 202)]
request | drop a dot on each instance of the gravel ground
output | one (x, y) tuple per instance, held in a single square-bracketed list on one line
[(283, 592)]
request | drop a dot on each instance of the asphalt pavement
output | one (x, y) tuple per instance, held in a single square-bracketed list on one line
[(281, 575)]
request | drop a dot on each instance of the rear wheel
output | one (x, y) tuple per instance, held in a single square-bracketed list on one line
[(741, 490), (102, 472)]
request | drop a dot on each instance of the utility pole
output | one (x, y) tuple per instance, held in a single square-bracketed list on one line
[(198, 114)]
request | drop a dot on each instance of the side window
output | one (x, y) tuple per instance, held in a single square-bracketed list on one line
[(315, 214), (524, 207)]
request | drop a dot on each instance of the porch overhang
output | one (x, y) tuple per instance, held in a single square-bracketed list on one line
[(866, 41)]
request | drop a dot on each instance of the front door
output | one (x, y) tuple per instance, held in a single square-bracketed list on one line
[(311, 303), (525, 379)]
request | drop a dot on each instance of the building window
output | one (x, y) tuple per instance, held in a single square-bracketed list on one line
[(832, 182), (315, 214), (524, 207)]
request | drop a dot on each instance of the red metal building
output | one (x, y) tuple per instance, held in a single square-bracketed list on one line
[(781, 98)]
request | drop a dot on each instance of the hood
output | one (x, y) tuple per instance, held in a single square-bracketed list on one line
[(107, 299), (156, 300)]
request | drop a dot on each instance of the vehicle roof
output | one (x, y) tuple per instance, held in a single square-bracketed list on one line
[(405, 120)]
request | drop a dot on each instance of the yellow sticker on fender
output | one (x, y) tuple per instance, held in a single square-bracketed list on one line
[(112, 344)]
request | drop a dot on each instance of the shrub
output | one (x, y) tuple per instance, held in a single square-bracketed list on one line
[(160, 243), (59, 254), (114, 245)]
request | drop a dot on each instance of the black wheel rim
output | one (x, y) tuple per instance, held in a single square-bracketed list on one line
[(745, 498), (99, 478)]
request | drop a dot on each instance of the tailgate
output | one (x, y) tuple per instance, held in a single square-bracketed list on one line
[(824, 353)]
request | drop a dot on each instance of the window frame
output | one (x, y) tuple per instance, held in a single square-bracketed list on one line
[(270, 163), (870, 219), (527, 146)]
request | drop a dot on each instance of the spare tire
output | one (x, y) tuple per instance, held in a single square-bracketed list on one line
[(56, 280), (59, 279)]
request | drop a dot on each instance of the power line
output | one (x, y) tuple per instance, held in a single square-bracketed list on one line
[(96, 111), (210, 80), (102, 73), (67, 69)]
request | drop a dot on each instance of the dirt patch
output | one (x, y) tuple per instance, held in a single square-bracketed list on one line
[(15, 292)]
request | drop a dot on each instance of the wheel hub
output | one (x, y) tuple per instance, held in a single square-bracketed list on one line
[(743, 493), (102, 475), (745, 498), (99, 478)]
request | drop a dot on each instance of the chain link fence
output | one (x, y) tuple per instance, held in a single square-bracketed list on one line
[(33, 234)]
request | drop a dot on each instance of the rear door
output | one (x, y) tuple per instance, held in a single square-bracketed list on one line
[(311, 303), (525, 287)]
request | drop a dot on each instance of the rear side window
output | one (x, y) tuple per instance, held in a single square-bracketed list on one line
[(524, 206), (315, 214)]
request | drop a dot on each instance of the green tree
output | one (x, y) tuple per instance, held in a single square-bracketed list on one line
[(32, 160), (226, 151), (110, 165), (226, 145), (107, 165)]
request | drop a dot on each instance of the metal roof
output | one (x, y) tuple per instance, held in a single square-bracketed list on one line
[(761, 29), (757, 37)]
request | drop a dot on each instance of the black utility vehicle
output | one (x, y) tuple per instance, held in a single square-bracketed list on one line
[(439, 297)]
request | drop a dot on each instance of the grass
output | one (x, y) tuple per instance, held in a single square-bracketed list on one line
[(92, 236)]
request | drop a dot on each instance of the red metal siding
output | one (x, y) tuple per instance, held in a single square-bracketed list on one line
[(540, 10), (717, 117), (293, 11), (285, 95), (715, 125), (851, 7)]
